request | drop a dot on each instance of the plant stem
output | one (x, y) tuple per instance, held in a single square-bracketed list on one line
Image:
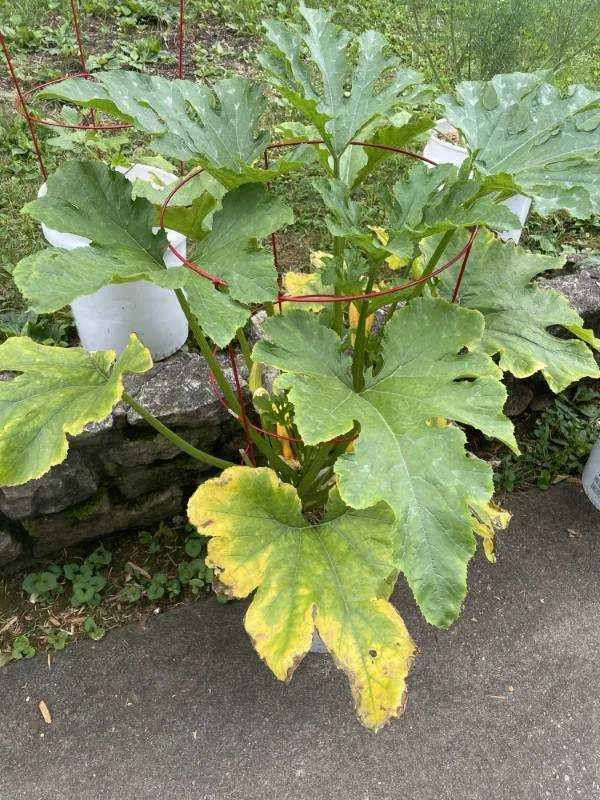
[(339, 246), (437, 254), (358, 358), (245, 347), (208, 354), (257, 439), (314, 467), (177, 440)]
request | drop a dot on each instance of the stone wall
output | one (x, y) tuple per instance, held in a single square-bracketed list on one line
[(580, 282), (120, 473)]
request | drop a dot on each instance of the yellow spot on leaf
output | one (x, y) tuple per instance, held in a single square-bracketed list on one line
[(487, 519)]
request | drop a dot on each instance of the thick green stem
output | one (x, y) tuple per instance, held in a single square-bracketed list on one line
[(339, 247), (313, 468), (432, 263), (177, 440), (358, 358), (260, 442), (245, 347)]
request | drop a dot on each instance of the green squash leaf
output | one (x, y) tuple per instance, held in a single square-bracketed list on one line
[(546, 141), (89, 199), (436, 200), (331, 577), (217, 128), (518, 314), (190, 209), (229, 251), (404, 456), (58, 393), (337, 114), (427, 202), (399, 133)]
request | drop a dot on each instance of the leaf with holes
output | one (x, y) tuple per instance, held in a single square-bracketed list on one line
[(545, 140), (59, 391), (337, 114), (89, 199), (332, 577), (419, 468), (217, 128), (518, 315)]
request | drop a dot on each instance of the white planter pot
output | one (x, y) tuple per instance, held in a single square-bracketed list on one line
[(443, 152), (106, 318), (591, 476)]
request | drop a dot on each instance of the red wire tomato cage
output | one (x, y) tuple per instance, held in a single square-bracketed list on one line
[(22, 105), (95, 124), (462, 255)]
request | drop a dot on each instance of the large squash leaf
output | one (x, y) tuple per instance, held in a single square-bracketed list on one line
[(229, 251), (338, 113), (59, 391), (332, 577), (89, 199), (402, 457), (547, 141), (217, 127), (427, 202), (518, 314)]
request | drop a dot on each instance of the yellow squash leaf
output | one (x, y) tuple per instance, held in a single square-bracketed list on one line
[(487, 519), (333, 577)]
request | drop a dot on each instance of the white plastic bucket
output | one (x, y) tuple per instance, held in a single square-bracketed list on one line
[(106, 318), (590, 479), (443, 152)]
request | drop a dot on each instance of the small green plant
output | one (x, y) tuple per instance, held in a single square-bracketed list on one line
[(22, 648), (132, 592), (86, 578), (558, 445), (86, 589), (156, 587), (194, 546), (43, 587), (93, 630), (151, 541), (55, 329), (58, 640)]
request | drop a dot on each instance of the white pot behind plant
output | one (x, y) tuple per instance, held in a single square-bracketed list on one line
[(590, 480), (105, 319), (443, 152)]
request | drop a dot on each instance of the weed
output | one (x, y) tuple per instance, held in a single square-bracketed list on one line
[(120, 580), (557, 443)]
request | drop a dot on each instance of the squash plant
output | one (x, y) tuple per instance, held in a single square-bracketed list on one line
[(361, 471)]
